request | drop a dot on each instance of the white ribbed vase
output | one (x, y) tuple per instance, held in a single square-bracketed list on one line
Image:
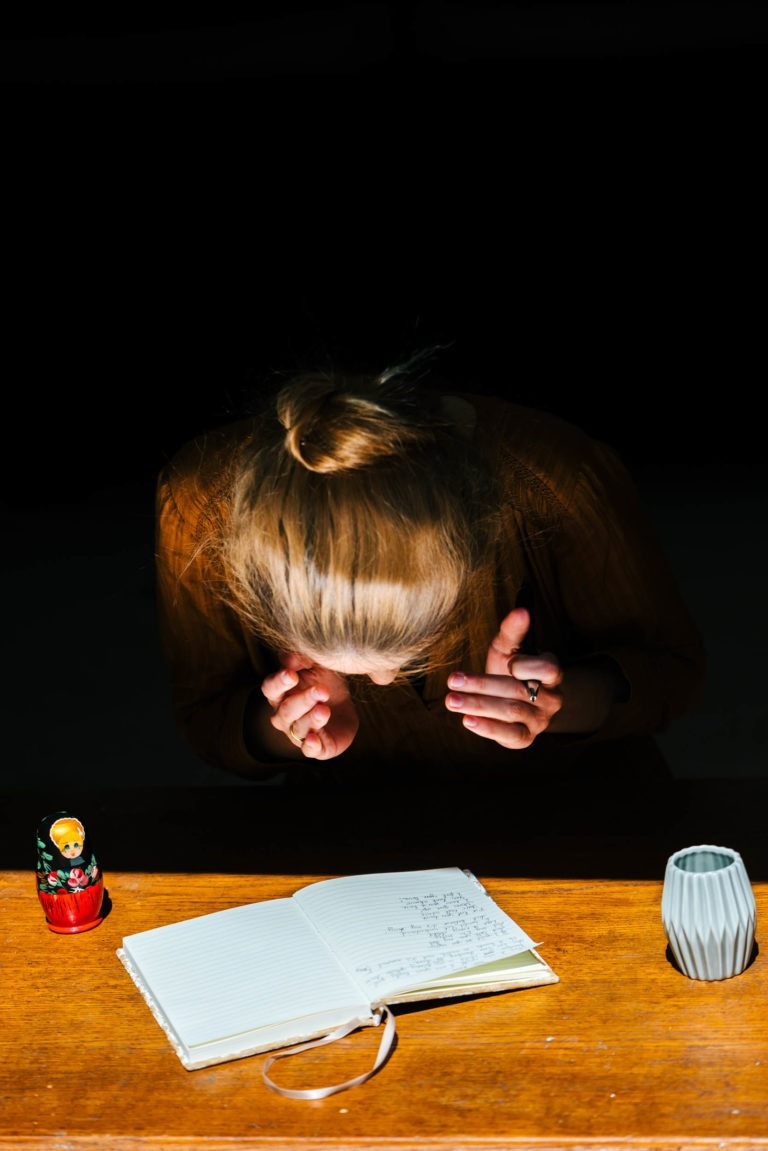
[(708, 911)]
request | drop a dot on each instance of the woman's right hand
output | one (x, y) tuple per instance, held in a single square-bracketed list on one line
[(311, 707)]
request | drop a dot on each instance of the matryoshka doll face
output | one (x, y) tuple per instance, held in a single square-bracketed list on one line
[(69, 835)]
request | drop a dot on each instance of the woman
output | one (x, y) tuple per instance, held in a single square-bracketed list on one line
[(370, 577)]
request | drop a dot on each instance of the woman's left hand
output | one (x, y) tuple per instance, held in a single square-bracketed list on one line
[(311, 706), (518, 697)]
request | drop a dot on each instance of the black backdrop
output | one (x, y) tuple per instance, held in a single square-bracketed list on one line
[(115, 363), (570, 198)]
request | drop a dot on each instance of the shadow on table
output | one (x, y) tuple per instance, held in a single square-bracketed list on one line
[(521, 829)]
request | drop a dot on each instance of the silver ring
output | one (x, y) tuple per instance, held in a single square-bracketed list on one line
[(296, 738), (533, 686)]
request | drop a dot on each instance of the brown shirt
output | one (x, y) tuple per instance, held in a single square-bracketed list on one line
[(577, 549)]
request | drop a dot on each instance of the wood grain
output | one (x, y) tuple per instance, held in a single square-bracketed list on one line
[(624, 1051)]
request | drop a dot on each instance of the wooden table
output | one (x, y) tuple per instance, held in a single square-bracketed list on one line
[(623, 1052)]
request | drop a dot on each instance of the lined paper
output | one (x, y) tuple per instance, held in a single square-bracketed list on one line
[(234, 971), (265, 975), (395, 932)]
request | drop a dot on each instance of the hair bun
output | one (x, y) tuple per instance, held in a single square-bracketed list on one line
[(334, 425)]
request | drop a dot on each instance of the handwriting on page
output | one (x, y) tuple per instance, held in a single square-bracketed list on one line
[(393, 932), (444, 920), (449, 932)]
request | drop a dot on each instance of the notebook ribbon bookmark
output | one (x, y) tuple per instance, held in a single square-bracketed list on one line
[(385, 1046)]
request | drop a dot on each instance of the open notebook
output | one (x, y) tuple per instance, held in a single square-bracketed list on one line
[(332, 957)]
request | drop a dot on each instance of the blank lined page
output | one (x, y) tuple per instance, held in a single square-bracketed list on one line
[(236, 970)]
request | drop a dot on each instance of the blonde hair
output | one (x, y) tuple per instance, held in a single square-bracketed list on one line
[(361, 523), (67, 830)]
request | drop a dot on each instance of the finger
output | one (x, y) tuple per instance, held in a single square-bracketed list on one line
[(293, 735), (507, 641), (275, 687), (514, 736), (510, 709), (544, 668), (315, 746), (303, 730), (306, 721), (311, 744), (506, 686), (304, 709)]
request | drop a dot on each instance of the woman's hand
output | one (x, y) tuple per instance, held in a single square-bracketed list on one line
[(311, 707), (518, 697)]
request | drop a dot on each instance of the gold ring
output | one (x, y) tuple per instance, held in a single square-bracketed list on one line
[(296, 738)]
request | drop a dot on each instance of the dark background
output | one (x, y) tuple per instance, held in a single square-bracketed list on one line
[(569, 198)]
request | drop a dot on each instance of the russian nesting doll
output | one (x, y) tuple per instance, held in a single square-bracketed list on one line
[(70, 885)]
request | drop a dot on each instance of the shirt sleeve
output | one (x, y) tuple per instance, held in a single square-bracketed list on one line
[(605, 588)]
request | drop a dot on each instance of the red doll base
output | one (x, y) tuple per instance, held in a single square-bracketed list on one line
[(69, 912)]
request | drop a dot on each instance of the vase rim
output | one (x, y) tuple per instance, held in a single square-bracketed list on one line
[(722, 858)]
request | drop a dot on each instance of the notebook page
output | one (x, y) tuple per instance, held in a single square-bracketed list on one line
[(230, 972), (399, 929)]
